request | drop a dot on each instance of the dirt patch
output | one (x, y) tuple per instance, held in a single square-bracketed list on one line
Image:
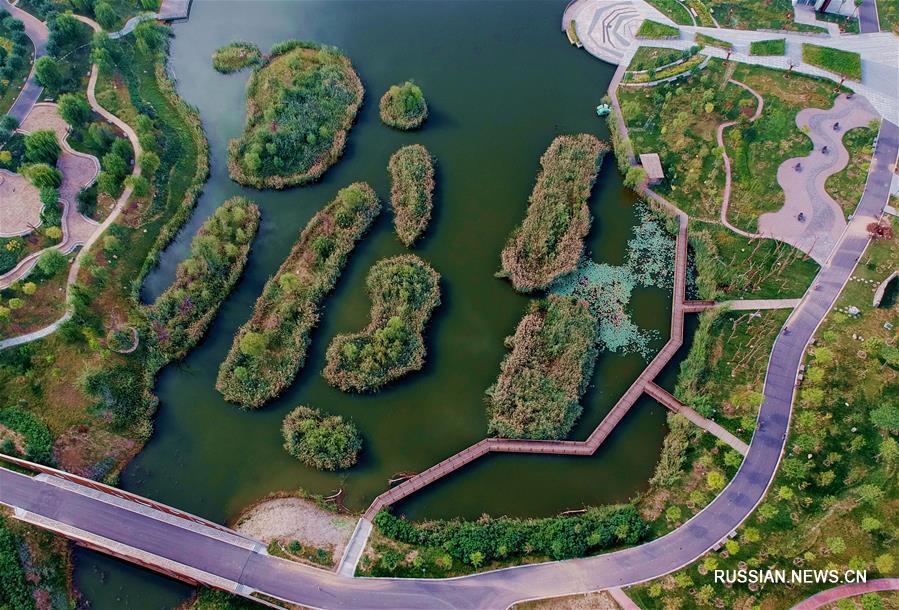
[(94, 454), (590, 601), (288, 519)]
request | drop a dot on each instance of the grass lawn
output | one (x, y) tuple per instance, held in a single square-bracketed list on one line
[(655, 30), (834, 499), (767, 15), (846, 187), (647, 58), (844, 63), (888, 10), (777, 46), (674, 10), (714, 42)]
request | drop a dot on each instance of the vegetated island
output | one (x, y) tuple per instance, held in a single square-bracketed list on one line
[(270, 348), (326, 442), (404, 291), (404, 106), (301, 103), (411, 191), (236, 56), (218, 255), (541, 380), (550, 241)]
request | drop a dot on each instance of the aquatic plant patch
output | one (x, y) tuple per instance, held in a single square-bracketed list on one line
[(301, 104), (404, 291), (235, 57), (325, 442), (550, 241), (411, 171), (270, 348), (403, 106), (219, 251)]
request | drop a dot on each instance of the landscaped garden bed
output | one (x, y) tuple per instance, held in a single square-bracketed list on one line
[(844, 63), (653, 30)]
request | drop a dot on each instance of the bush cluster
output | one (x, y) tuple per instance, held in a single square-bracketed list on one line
[(235, 57), (404, 106), (14, 56), (404, 291), (411, 191), (504, 538), (550, 241), (326, 442), (14, 591), (219, 252), (540, 382), (300, 105), (269, 350), (35, 434)]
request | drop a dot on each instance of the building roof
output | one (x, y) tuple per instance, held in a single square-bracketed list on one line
[(653, 166)]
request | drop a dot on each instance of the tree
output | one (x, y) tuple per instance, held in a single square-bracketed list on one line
[(138, 184), (836, 545), (149, 36), (635, 177), (47, 72), (321, 441), (42, 175), (149, 163), (106, 15), (886, 416), (52, 262), (29, 288), (715, 480), (74, 109), (884, 563), (41, 147), (253, 344), (63, 30), (870, 524)]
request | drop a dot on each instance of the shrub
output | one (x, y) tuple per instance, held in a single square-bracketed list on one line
[(287, 311), (48, 73), (35, 434), (300, 105), (13, 586), (42, 175), (52, 262), (218, 255), (320, 441), (404, 106), (540, 382), (106, 15), (550, 241), (506, 538), (236, 56), (411, 191), (404, 291)]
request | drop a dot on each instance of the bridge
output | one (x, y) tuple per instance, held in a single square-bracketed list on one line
[(198, 551)]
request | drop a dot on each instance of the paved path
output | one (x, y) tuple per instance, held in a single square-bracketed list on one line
[(354, 548), (98, 231), (210, 559), (667, 400), (823, 219), (868, 19), (754, 304), (621, 598), (39, 34), (879, 50), (849, 590)]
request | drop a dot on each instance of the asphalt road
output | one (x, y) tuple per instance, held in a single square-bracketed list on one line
[(498, 589), (39, 34)]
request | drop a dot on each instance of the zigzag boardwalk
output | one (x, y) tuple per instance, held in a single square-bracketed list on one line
[(597, 437)]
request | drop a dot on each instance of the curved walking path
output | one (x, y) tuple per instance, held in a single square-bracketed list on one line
[(725, 197), (79, 170), (85, 238), (203, 553), (823, 219), (848, 590)]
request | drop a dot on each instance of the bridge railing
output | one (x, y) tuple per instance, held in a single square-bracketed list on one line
[(114, 491)]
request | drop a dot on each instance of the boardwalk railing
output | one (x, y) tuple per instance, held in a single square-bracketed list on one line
[(599, 434)]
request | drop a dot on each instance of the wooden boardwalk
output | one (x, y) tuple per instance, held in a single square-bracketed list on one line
[(597, 437)]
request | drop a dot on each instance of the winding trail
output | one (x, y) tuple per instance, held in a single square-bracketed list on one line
[(728, 181), (37, 32), (830, 596), (87, 241)]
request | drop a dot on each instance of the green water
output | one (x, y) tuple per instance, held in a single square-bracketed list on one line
[(501, 82)]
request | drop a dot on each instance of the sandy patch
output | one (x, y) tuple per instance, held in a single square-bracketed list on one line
[(286, 519)]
